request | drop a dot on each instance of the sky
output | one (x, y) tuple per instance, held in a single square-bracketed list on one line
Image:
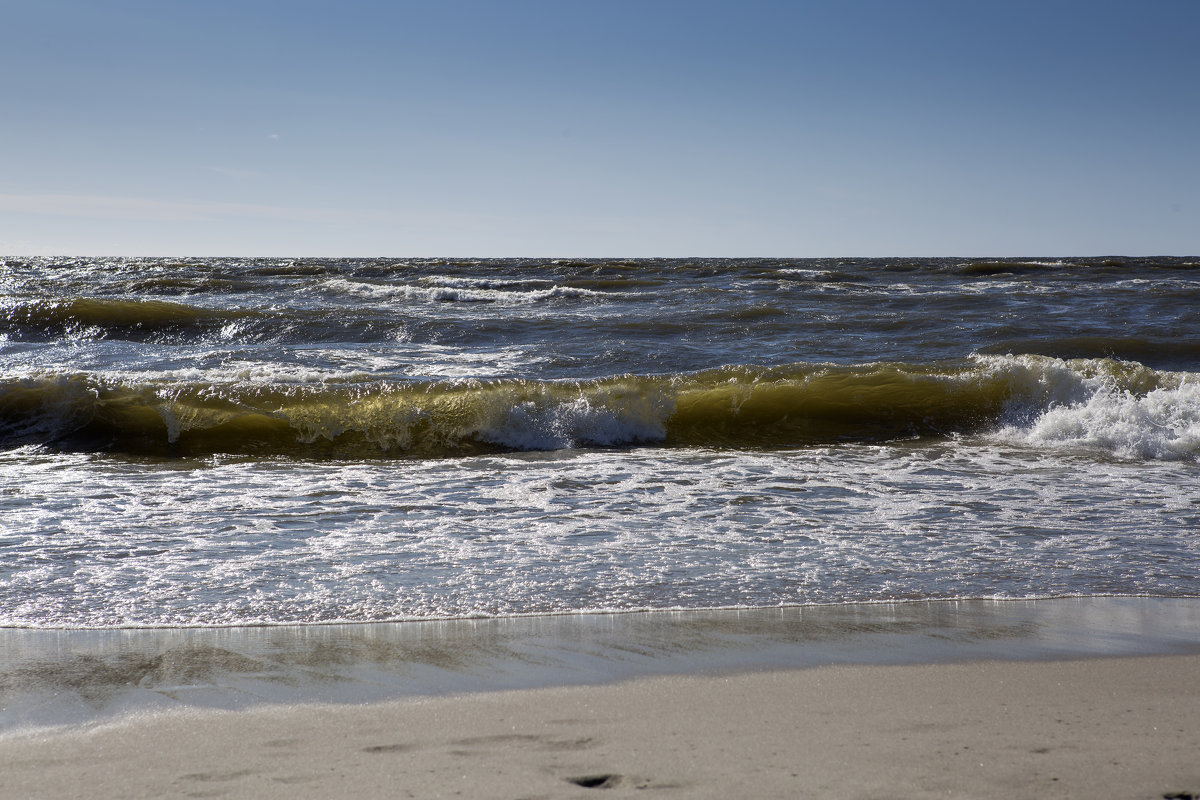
[(599, 129)]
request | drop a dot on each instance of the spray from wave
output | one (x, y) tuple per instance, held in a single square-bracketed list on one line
[(1163, 423)]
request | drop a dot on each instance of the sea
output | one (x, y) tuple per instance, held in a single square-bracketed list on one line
[(220, 442)]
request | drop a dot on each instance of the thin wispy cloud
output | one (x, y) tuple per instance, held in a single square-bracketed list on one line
[(133, 208), (230, 172)]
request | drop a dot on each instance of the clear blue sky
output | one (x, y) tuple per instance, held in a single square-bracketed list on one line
[(513, 127)]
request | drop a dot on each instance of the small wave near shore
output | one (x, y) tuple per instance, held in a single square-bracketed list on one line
[(1124, 408)]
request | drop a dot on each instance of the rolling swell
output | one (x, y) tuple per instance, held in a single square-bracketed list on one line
[(730, 407), (111, 317), (1159, 352), (165, 320)]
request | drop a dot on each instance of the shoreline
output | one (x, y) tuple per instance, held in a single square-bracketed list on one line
[(51, 678), (1102, 727)]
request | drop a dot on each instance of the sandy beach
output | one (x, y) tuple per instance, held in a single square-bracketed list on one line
[(1094, 728)]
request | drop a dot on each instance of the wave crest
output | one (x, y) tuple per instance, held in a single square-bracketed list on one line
[(1161, 424), (1122, 407)]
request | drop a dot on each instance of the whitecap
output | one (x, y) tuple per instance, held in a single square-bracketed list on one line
[(1161, 424)]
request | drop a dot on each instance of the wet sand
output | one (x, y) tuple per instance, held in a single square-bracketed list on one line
[(1089, 698), (1095, 728)]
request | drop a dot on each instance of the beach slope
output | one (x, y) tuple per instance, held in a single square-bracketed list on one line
[(1093, 728)]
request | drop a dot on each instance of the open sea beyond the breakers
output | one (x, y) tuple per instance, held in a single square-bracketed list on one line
[(230, 442)]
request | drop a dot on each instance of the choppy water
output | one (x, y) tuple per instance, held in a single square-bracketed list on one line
[(226, 441)]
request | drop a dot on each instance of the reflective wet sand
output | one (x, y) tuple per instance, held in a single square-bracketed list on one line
[(53, 677)]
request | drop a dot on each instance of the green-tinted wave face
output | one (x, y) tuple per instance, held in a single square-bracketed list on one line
[(121, 318), (812, 405), (732, 407), (169, 321)]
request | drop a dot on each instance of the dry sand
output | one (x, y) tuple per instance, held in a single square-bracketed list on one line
[(1096, 728)]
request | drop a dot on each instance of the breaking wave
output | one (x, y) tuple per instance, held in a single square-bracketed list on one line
[(455, 290), (1121, 407)]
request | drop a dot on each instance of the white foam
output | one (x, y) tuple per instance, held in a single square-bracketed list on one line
[(457, 292), (805, 273), (98, 541), (483, 283), (1161, 424)]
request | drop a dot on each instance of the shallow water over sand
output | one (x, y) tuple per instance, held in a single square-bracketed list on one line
[(50, 677)]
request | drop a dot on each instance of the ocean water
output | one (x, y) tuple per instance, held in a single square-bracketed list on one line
[(212, 442)]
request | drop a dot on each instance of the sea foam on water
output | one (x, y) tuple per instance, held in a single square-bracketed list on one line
[(1163, 423)]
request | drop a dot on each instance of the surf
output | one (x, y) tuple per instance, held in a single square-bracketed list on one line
[(1031, 399)]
